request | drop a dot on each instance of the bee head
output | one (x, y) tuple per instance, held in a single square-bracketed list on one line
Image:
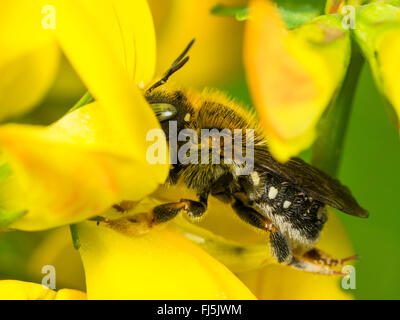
[(171, 106)]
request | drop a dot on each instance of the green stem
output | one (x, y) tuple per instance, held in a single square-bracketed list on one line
[(86, 99), (328, 147)]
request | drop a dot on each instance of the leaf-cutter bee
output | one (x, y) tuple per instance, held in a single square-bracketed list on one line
[(287, 200)]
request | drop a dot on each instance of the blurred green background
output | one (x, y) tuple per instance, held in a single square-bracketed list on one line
[(370, 166)]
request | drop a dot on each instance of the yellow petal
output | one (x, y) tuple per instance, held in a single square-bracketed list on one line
[(245, 251), (21, 290), (125, 28), (214, 58), (28, 57), (96, 53), (70, 294), (90, 126), (293, 75), (378, 33), (159, 265), (389, 50), (56, 249), (281, 282), (73, 170)]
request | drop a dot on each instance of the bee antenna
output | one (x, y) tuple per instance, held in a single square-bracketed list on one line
[(176, 65), (183, 54)]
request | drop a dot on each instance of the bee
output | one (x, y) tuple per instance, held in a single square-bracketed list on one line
[(287, 200)]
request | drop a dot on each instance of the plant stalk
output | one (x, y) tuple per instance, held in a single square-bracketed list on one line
[(328, 147)]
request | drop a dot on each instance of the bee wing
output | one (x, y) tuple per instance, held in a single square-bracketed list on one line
[(315, 183)]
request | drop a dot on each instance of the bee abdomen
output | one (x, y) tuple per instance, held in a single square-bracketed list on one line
[(293, 206)]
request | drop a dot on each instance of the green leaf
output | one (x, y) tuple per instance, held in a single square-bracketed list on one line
[(241, 13), (296, 19), (294, 13)]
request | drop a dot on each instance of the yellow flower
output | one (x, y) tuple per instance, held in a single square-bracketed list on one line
[(159, 265), (245, 251), (28, 57), (295, 74), (292, 75), (378, 33), (95, 157), (20, 290), (89, 160)]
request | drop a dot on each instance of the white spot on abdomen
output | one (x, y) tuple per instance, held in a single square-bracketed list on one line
[(272, 192), (286, 204)]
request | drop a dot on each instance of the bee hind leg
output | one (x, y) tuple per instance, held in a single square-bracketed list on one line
[(317, 261), (279, 245), (317, 256)]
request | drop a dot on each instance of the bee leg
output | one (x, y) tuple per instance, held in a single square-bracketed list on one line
[(194, 209), (168, 211), (319, 257), (307, 266), (279, 245), (143, 222), (304, 265), (316, 261)]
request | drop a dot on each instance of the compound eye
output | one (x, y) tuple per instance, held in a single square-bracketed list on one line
[(164, 111)]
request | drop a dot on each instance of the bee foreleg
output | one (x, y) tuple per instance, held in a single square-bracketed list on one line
[(165, 212), (194, 209), (279, 245), (143, 222)]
